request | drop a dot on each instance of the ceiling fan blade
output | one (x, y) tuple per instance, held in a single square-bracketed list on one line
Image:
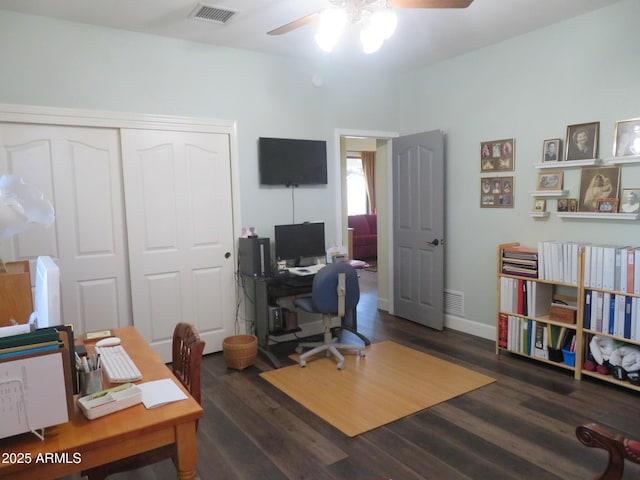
[(430, 3), (293, 25)]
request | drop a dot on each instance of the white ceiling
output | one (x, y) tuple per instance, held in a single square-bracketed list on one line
[(423, 36)]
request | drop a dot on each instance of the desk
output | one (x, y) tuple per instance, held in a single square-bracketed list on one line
[(267, 290), (81, 443)]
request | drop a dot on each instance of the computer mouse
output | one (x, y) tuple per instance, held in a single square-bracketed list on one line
[(108, 342)]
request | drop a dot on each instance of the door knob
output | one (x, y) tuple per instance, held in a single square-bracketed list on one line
[(435, 242)]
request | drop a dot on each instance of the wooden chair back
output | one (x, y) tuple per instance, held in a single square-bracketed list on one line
[(187, 357), (186, 362)]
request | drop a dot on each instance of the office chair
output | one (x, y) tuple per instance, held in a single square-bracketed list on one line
[(335, 292), (618, 447), (186, 363)]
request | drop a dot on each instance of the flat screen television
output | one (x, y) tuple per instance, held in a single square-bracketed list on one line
[(286, 161), (300, 243)]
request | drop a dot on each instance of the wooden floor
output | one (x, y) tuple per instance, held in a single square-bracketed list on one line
[(520, 427)]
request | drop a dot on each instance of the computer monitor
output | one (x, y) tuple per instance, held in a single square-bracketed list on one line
[(300, 243), (47, 293)]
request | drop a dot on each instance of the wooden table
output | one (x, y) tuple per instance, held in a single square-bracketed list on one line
[(81, 443)]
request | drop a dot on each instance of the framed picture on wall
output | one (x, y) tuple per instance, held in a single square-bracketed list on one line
[(607, 205), (627, 138), (551, 150), (497, 156), (550, 181), (582, 141), (539, 205), (597, 183), (496, 192), (630, 201)]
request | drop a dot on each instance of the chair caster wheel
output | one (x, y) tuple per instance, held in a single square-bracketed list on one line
[(362, 353), (340, 365), (303, 363), (298, 349)]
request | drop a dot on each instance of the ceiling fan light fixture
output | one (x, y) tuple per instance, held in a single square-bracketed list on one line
[(330, 27), (384, 22), (371, 40)]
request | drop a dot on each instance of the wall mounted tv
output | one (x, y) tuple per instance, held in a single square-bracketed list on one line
[(286, 161)]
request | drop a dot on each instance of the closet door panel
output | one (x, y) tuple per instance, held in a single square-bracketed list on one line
[(180, 233), (79, 171)]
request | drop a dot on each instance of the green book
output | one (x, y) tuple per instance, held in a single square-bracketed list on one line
[(37, 336)]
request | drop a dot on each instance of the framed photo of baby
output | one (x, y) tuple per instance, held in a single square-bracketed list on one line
[(597, 183)]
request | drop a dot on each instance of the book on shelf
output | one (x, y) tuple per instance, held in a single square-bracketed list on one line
[(606, 313), (503, 330), (627, 317), (586, 311), (519, 251), (519, 260), (519, 270), (541, 341), (558, 260)]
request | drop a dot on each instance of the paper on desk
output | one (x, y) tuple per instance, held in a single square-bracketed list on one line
[(160, 392)]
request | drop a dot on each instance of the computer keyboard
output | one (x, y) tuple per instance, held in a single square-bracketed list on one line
[(310, 270), (118, 365)]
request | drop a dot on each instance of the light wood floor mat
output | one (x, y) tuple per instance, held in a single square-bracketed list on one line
[(391, 382)]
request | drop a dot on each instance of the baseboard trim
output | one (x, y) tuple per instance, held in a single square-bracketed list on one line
[(470, 326)]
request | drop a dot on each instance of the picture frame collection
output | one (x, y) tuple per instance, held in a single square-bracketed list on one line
[(497, 156), (599, 185)]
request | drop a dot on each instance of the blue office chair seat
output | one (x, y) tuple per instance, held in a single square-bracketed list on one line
[(335, 293)]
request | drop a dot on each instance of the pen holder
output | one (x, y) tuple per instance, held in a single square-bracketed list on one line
[(90, 382)]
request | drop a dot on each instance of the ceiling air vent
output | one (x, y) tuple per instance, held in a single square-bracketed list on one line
[(213, 13)]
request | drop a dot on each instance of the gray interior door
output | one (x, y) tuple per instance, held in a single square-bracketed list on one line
[(418, 227)]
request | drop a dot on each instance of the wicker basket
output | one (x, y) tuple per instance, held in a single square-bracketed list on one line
[(240, 351)]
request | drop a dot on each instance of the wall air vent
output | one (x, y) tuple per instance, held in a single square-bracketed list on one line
[(212, 13), (454, 302)]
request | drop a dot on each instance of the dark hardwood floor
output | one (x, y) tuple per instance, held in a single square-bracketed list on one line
[(520, 427)]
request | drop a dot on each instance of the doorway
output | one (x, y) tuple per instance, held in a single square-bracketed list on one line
[(380, 141)]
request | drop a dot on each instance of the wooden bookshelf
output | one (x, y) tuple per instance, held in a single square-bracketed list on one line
[(604, 318)]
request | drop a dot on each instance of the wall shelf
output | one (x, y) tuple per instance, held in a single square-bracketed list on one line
[(549, 193), (571, 163), (599, 215), (621, 160), (539, 214)]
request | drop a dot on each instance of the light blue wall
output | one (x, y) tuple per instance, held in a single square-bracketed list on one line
[(52, 63), (529, 88)]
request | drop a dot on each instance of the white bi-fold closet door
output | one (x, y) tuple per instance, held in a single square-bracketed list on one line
[(179, 222), (144, 225), (79, 170)]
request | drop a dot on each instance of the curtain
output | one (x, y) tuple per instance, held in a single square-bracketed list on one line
[(369, 169)]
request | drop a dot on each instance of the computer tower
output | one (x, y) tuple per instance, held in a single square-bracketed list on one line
[(275, 319), (254, 256)]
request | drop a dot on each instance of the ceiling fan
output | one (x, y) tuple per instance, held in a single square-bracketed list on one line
[(376, 17)]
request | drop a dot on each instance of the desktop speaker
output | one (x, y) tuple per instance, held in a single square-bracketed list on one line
[(254, 256)]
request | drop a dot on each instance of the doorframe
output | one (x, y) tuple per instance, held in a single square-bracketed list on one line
[(31, 114), (386, 136)]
